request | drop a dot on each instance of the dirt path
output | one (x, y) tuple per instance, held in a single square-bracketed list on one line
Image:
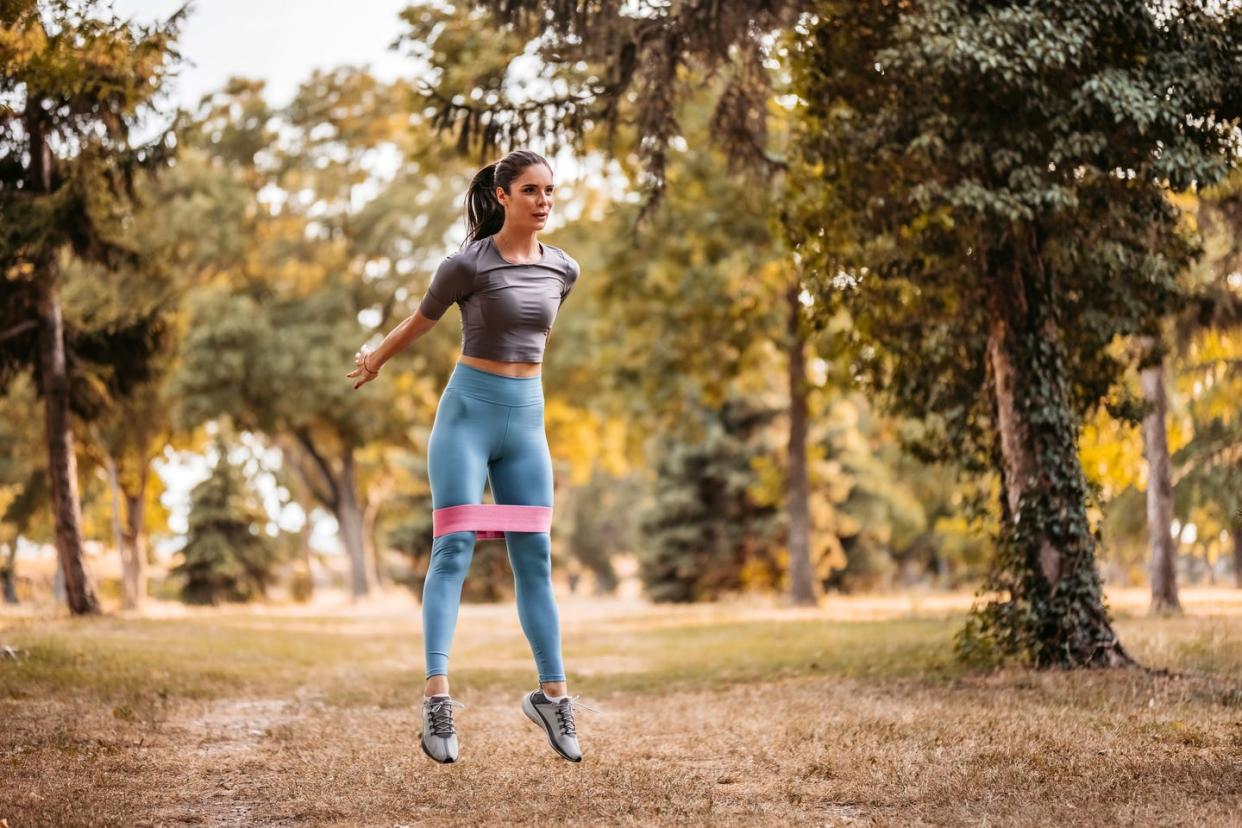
[(1010, 750)]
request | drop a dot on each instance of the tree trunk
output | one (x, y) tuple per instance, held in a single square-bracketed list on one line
[(801, 583), (114, 493), (307, 503), (375, 558), (129, 538), (1048, 549), (54, 383), (349, 516), (134, 555), (1237, 556), (58, 583), (62, 464), (8, 575), (1159, 490)]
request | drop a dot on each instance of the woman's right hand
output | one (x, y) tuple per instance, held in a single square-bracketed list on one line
[(366, 374)]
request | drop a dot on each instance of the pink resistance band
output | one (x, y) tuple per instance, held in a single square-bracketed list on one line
[(490, 520)]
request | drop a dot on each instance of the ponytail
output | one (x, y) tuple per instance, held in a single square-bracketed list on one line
[(485, 215)]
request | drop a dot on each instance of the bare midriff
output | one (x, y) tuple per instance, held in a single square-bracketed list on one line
[(508, 369)]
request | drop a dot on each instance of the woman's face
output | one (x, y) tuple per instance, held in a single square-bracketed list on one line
[(529, 199)]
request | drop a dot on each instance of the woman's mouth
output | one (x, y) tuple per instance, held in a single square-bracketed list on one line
[(541, 215)]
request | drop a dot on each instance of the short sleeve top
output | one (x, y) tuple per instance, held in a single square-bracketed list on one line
[(507, 309)]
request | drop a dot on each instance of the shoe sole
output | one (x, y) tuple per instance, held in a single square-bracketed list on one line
[(423, 745), (533, 715)]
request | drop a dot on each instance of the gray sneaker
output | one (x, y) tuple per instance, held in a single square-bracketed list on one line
[(557, 721), (439, 737)]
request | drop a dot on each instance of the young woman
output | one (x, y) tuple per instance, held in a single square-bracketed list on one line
[(489, 426)]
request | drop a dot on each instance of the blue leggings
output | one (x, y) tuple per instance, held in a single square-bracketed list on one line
[(490, 427)]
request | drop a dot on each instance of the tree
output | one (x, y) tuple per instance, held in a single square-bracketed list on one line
[(613, 65), (997, 173), (1209, 467), (592, 59), (267, 340), (704, 529), (227, 555), (75, 81)]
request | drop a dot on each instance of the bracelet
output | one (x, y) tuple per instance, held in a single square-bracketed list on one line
[(366, 367)]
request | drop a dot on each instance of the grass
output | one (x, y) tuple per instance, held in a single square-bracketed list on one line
[(726, 714)]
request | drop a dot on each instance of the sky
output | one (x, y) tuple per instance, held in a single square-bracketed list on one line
[(280, 42)]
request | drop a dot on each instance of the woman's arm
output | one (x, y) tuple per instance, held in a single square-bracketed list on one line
[(399, 338), (369, 363)]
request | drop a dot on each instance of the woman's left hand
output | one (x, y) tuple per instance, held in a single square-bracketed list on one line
[(366, 374)]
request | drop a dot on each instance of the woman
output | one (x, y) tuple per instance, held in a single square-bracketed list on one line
[(489, 425)]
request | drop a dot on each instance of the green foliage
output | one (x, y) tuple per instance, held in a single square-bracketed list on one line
[(700, 312), (75, 79), (704, 528), (605, 523), (227, 555), (990, 164)]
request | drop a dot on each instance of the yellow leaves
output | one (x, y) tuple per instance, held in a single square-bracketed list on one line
[(1111, 454), (586, 440), (7, 495), (1208, 381), (19, 43)]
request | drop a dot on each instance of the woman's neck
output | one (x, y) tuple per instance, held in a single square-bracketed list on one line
[(518, 244)]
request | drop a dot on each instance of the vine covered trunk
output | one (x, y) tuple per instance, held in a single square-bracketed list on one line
[(1050, 608)]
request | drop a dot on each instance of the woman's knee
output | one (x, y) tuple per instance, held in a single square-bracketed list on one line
[(531, 555), (451, 554)]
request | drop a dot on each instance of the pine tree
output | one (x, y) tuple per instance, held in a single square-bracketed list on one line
[(74, 80), (227, 556), (703, 528)]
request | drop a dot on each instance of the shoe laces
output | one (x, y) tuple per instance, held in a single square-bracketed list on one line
[(441, 711), (565, 714)]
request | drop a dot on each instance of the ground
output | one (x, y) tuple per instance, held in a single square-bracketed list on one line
[(745, 713)]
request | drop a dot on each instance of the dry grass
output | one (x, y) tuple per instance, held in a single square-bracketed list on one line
[(740, 714)]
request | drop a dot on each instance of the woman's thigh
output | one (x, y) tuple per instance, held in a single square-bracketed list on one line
[(521, 474), (465, 432)]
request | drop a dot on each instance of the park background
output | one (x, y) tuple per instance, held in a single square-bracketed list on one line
[(784, 542)]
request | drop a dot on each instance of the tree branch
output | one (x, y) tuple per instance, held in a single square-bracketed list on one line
[(333, 498)]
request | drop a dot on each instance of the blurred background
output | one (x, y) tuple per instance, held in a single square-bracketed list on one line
[(307, 194)]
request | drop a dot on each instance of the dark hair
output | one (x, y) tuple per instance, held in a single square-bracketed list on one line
[(485, 214)]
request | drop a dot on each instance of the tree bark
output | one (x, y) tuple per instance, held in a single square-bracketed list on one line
[(8, 575), (349, 516), (62, 463), (1237, 556), (54, 384), (340, 494), (134, 548), (1043, 482), (1159, 490), (369, 517), (114, 493), (307, 503), (801, 582)]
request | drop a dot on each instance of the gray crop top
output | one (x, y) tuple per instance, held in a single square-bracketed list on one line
[(506, 309)]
